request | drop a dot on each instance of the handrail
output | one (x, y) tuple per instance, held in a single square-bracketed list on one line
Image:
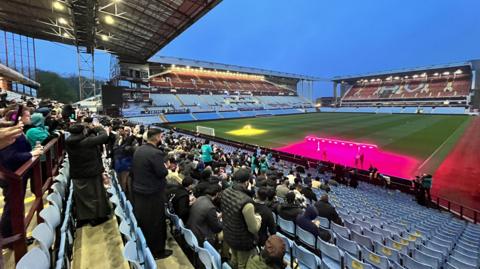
[(54, 152), (401, 184)]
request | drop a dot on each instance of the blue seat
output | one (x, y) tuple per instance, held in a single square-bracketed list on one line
[(390, 253), (56, 200), (124, 229), (455, 261), (401, 248), (440, 248), (305, 258), (431, 252), (149, 260), (130, 254), (362, 240), (348, 246), (205, 257), (44, 236), (286, 226), (422, 257), (353, 263), (331, 255), (413, 264), (51, 215), (305, 237), (191, 239), (376, 260), (324, 222), (141, 243), (225, 265), (288, 245), (373, 235), (353, 227), (464, 257), (216, 258), (340, 230), (35, 258)]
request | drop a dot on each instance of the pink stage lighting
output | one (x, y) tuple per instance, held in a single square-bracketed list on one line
[(360, 155)]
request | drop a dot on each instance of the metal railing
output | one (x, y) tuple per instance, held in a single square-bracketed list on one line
[(461, 211), (39, 184)]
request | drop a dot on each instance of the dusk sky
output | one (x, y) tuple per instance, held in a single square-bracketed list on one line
[(313, 37)]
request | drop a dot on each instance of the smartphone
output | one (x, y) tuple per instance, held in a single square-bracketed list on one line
[(17, 115)]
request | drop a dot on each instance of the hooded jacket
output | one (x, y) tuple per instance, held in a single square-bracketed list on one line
[(305, 221)]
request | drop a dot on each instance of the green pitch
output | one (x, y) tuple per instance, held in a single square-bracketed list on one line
[(426, 137)]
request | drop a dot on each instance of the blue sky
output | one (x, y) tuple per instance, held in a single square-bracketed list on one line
[(313, 37)]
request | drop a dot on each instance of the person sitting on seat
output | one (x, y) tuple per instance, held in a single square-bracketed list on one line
[(326, 210), (290, 209), (283, 189), (271, 256), (306, 222)]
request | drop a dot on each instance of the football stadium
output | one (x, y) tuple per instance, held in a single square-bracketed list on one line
[(233, 162)]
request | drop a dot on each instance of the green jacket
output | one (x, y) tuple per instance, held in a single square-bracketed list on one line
[(256, 262)]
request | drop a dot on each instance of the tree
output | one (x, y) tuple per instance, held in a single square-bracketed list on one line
[(55, 87)]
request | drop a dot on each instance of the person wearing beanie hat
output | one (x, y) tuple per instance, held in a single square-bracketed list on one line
[(38, 133), (240, 223), (271, 256), (306, 222)]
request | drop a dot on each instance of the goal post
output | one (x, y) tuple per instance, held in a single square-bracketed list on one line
[(205, 130)]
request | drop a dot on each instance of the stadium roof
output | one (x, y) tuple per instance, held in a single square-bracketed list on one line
[(132, 30), (228, 67), (14, 75), (401, 71)]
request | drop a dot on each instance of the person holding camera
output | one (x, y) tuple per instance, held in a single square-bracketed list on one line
[(86, 171)]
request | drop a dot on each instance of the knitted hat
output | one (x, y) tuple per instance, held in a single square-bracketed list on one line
[(275, 247), (37, 119), (241, 175)]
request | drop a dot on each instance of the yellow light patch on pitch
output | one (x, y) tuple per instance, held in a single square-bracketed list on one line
[(247, 130)]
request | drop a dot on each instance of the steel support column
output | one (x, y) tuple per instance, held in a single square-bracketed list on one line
[(86, 72)]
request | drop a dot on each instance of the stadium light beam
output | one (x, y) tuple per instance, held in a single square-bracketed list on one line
[(62, 21)]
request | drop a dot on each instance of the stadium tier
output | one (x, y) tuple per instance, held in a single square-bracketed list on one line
[(418, 90)]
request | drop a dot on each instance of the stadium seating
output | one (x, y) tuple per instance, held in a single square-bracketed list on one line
[(179, 117)]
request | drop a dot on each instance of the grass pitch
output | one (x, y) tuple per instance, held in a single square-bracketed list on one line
[(425, 137)]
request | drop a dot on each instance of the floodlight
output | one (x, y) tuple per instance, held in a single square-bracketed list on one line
[(104, 37), (58, 6), (62, 21), (109, 19), (66, 35)]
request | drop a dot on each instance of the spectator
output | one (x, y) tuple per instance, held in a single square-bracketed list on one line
[(271, 256), (326, 210), (308, 193), (86, 170), (241, 225), (306, 222), (180, 198), (207, 153), (290, 209), (316, 183), (204, 220), (148, 190), (268, 226), (427, 185), (283, 189), (38, 133)]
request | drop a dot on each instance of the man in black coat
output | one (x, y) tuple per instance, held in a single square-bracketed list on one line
[(268, 226), (326, 210), (148, 191), (306, 222), (86, 169), (290, 209)]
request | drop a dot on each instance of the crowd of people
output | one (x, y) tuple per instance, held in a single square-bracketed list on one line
[(226, 196)]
